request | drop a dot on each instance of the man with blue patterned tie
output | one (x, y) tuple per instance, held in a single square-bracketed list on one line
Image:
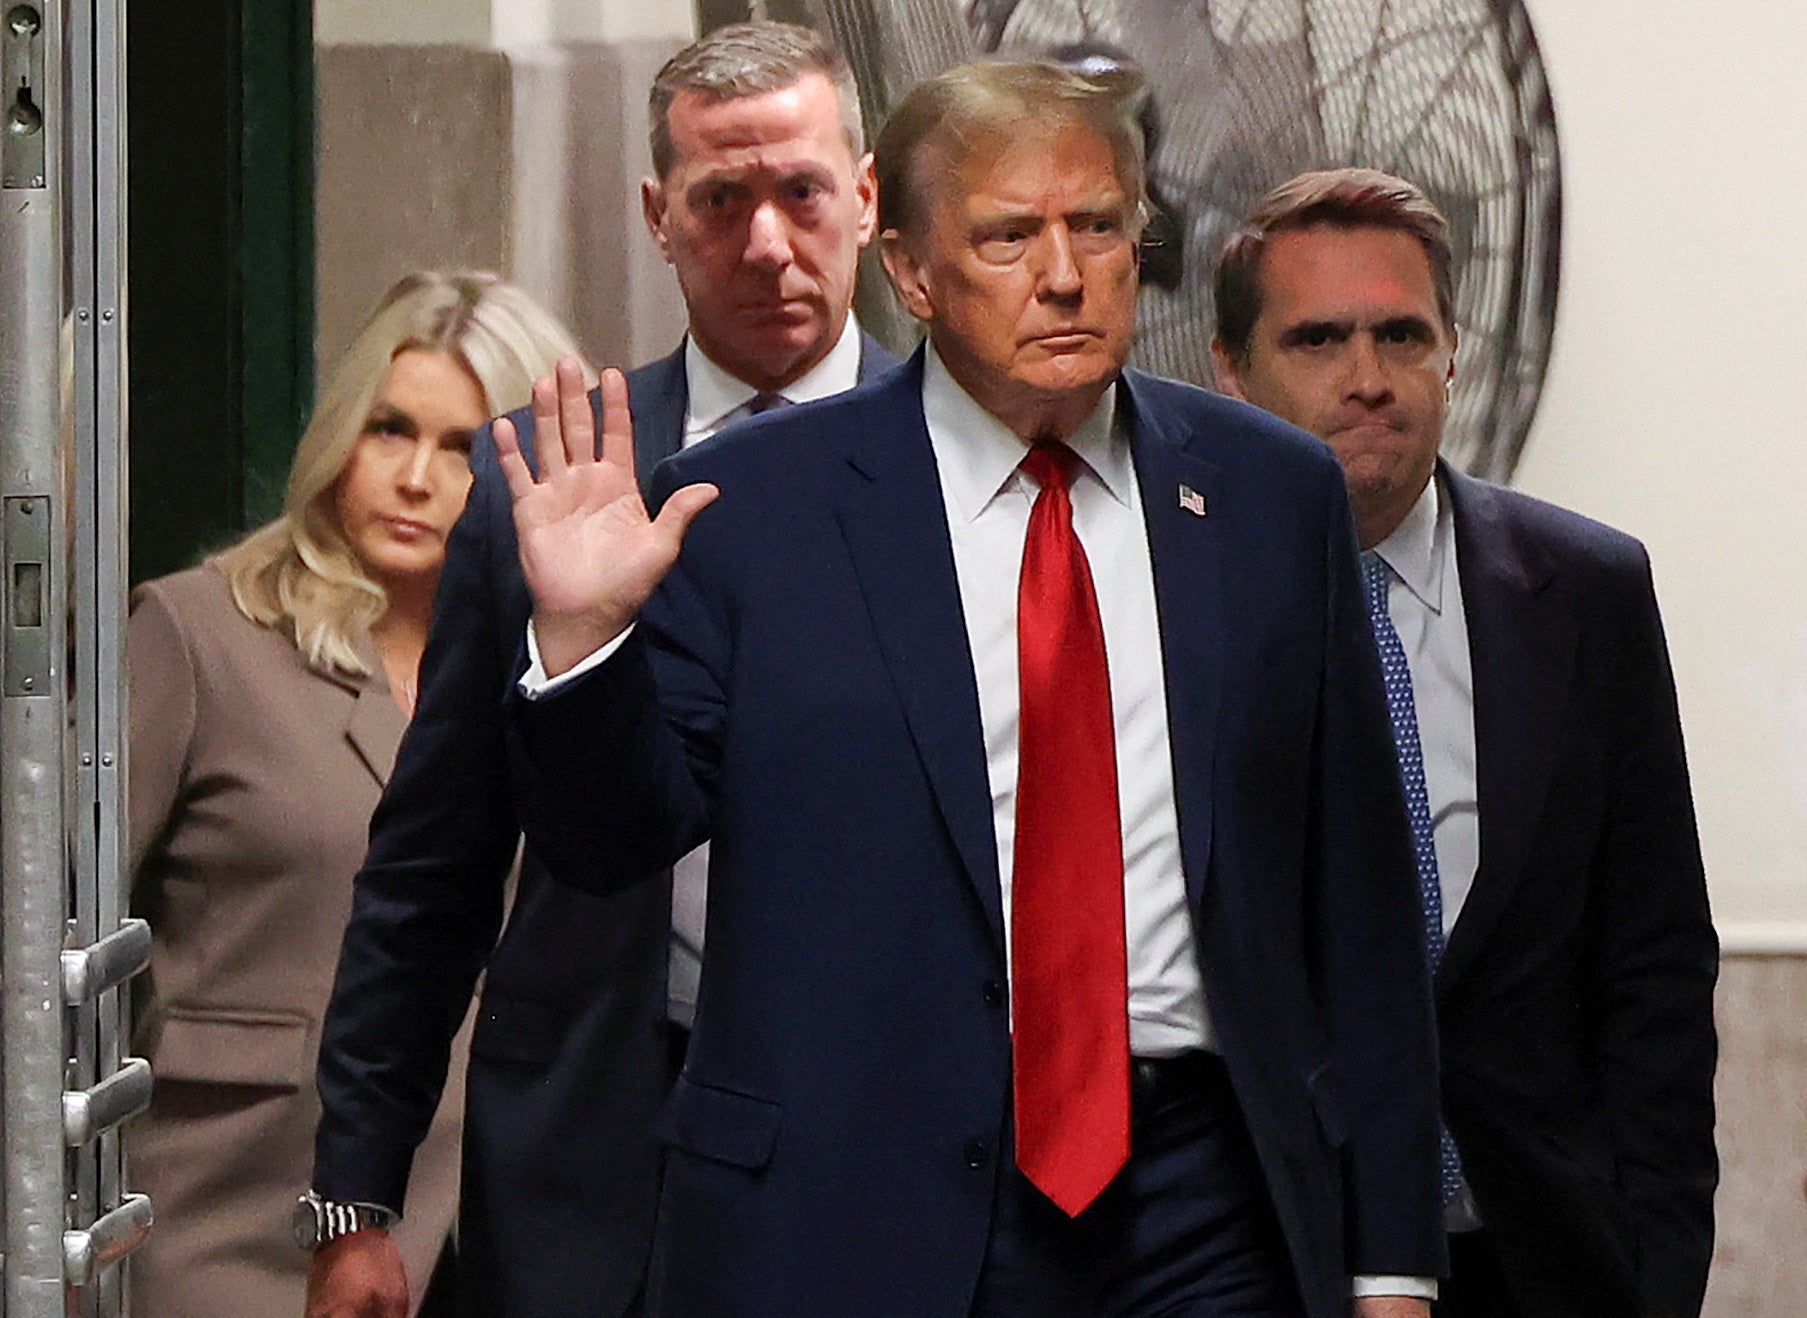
[(1540, 751)]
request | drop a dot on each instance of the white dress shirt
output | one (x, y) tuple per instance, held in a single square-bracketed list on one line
[(988, 501), (716, 399)]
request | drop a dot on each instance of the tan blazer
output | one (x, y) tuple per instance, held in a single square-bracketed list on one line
[(253, 777)]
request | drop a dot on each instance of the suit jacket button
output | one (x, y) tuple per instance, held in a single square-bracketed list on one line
[(994, 993), (977, 1154)]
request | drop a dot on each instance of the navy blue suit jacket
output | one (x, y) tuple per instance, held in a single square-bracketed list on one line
[(1575, 1001), (568, 1057), (800, 688)]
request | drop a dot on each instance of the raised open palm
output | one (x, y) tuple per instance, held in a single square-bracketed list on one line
[(589, 552)]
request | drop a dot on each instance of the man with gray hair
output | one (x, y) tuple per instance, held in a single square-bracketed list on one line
[(1062, 960), (761, 199), (1562, 894)]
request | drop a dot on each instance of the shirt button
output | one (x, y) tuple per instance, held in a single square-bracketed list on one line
[(994, 993), (977, 1153)]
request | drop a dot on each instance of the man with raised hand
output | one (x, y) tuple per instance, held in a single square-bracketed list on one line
[(761, 200), (1062, 959), (1562, 896)]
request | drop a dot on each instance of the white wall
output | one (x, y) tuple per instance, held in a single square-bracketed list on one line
[(1675, 400)]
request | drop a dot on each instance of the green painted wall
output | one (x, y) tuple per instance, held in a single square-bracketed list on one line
[(220, 327)]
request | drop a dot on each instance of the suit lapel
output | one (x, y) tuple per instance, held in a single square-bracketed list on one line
[(1184, 545), (1522, 654), (657, 395), (375, 729), (894, 523), (875, 359), (375, 723)]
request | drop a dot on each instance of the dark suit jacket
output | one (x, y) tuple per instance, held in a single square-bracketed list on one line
[(1575, 1000), (568, 1059), (801, 687)]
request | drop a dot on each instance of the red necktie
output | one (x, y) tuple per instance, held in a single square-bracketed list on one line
[(1069, 969)]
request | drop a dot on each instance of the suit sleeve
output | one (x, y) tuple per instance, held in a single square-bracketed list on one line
[(1656, 966), (1369, 958), (427, 904), (617, 769), (162, 703)]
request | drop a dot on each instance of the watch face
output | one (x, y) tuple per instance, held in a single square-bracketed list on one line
[(305, 1222)]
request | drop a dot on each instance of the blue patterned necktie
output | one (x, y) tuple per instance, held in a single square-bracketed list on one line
[(1397, 674)]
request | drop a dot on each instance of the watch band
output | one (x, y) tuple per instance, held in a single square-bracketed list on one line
[(318, 1221)]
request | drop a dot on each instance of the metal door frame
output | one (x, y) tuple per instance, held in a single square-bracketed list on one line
[(65, 946)]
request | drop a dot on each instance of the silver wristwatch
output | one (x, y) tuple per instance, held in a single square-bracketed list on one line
[(318, 1221)]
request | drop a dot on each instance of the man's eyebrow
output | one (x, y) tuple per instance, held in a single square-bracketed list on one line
[(1418, 326), (720, 178), (817, 177), (1007, 215), (742, 171), (1300, 330), (1102, 203)]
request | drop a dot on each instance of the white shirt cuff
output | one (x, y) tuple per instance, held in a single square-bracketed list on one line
[(1418, 1288), (534, 683)]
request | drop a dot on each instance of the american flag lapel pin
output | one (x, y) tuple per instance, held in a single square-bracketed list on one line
[(1192, 501)]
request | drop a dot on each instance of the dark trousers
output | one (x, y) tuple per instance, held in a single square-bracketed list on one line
[(1185, 1231), (1476, 1285)]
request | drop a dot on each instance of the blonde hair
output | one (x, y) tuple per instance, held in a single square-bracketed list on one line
[(297, 574)]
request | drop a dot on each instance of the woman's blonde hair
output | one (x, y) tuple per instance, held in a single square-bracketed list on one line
[(298, 575)]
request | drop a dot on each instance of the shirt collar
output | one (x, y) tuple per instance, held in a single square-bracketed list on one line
[(714, 394), (1418, 548), (978, 454)]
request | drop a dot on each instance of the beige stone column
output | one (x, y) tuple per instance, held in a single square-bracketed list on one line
[(507, 135)]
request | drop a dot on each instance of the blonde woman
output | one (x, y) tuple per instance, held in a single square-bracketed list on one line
[(269, 689)]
